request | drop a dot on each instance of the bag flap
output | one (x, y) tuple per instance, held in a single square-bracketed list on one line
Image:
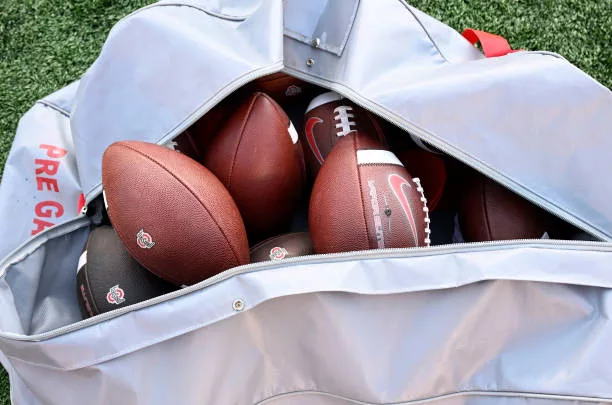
[(40, 185), (529, 120), (163, 67), (401, 323)]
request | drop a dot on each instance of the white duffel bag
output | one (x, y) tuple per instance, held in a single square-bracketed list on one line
[(512, 322)]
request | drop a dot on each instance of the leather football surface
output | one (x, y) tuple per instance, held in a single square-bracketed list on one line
[(488, 211), (364, 198), (109, 278), (173, 215), (259, 159)]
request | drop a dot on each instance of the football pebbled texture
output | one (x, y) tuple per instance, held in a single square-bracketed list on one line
[(173, 215), (363, 198), (487, 211), (282, 247), (330, 117), (109, 278), (258, 157)]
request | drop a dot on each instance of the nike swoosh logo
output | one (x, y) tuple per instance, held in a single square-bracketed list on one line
[(397, 183), (310, 124)]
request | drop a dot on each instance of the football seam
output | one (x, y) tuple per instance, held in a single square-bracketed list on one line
[(279, 110), (193, 194), (425, 209), (242, 127), (378, 164), (365, 221)]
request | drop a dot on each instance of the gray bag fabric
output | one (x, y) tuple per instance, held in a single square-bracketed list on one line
[(470, 323)]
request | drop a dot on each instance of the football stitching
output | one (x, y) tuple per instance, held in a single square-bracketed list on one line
[(279, 110), (427, 221), (244, 124), (192, 193), (343, 116)]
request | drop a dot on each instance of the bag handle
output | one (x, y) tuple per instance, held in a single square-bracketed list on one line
[(492, 45)]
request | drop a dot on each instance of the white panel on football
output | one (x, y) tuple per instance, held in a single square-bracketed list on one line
[(377, 156), (293, 133), (323, 99), (105, 202), (82, 261)]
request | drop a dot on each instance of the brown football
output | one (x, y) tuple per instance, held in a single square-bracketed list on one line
[(194, 140), (329, 117), (109, 278), (282, 247), (363, 198), (258, 157), (173, 215), (488, 211)]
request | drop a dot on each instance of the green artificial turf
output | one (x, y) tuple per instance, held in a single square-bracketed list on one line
[(46, 44), (577, 29)]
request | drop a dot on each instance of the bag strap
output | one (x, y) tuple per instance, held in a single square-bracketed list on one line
[(492, 45)]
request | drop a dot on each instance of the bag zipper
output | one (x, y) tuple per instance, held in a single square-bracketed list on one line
[(454, 152), (330, 257), (314, 259)]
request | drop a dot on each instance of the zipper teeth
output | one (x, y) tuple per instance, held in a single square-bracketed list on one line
[(452, 151), (314, 259)]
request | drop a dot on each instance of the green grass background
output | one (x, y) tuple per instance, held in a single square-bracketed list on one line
[(46, 44)]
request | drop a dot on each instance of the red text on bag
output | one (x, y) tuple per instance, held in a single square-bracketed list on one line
[(46, 181)]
